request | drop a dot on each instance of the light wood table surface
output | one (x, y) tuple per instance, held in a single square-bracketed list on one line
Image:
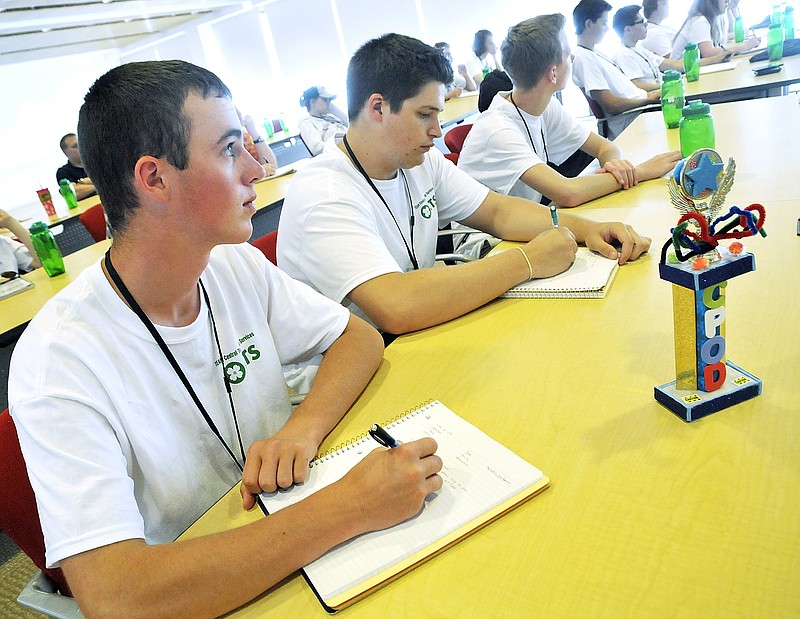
[(458, 108), (19, 309), (647, 516), (741, 83)]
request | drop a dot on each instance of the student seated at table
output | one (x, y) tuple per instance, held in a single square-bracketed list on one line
[(705, 27), (484, 56), (16, 255), (642, 66), (659, 35), (73, 170), (598, 76), (324, 120), (138, 390), (519, 145), (462, 80), (359, 223)]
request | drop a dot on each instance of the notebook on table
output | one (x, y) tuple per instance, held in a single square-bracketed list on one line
[(589, 277), (10, 287), (482, 480)]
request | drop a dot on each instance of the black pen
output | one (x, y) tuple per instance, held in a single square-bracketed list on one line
[(382, 436)]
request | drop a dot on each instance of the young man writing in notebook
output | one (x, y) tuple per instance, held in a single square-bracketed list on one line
[(359, 223), (518, 144), (139, 389)]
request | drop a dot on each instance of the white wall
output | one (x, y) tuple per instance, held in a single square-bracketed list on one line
[(266, 52)]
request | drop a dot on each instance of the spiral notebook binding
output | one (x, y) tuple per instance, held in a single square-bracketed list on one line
[(364, 436)]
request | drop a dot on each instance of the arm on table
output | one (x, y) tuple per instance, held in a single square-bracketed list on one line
[(208, 576), (18, 230), (613, 104)]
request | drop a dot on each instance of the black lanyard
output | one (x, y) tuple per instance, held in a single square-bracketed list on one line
[(137, 309), (409, 248), (530, 137), (641, 55)]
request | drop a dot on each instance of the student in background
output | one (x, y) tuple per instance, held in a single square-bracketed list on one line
[(462, 80), (360, 222), (513, 145), (484, 56), (599, 76), (704, 27), (256, 145), (16, 255), (659, 36), (120, 455), (324, 122), (73, 170), (643, 67)]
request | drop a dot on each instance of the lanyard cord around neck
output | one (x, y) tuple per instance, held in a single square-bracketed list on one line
[(601, 55), (647, 60), (409, 248), (137, 309), (530, 137)]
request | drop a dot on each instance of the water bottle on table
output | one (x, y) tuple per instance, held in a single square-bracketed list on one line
[(47, 249)]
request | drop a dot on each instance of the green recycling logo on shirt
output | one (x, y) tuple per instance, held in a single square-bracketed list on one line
[(236, 368), (428, 205)]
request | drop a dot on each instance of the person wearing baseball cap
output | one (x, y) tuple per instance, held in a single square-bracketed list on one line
[(324, 120)]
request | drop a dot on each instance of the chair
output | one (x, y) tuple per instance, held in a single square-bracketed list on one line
[(268, 244), (48, 591), (454, 139), (597, 112), (94, 220), (452, 157)]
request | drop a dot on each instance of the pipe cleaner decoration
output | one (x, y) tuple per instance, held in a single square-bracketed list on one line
[(698, 187)]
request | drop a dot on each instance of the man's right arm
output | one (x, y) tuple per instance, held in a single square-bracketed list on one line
[(208, 576), (612, 104), (84, 188)]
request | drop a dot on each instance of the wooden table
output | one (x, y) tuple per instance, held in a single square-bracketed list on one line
[(760, 134), (647, 516), (740, 83), (18, 310), (458, 108)]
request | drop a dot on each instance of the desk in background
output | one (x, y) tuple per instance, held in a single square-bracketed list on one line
[(18, 310), (458, 108), (740, 83)]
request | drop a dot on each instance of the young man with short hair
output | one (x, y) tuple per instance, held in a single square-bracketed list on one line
[(598, 76), (512, 146), (139, 389), (360, 222), (659, 36)]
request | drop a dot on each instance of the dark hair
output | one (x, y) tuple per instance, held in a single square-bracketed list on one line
[(531, 47), (479, 46), (134, 110), (63, 142), (626, 16), (649, 7), (396, 66), (590, 10), (441, 45)]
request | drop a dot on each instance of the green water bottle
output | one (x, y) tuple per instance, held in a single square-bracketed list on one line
[(47, 249), (672, 98), (486, 71), (788, 23), (696, 128), (738, 30), (691, 62), (67, 192), (775, 42), (269, 128)]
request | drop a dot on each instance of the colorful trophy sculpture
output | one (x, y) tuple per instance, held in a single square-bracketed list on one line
[(699, 269)]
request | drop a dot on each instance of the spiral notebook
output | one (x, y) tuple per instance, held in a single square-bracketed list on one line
[(482, 481), (589, 277)]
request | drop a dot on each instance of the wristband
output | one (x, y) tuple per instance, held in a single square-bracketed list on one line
[(259, 139), (527, 261)]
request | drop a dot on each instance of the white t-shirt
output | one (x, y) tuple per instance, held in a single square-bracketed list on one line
[(475, 65), (316, 131), (115, 447), (497, 150), (593, 70), (639, 63), (335, 233), (659, 39), (14, 256), (695, 30)]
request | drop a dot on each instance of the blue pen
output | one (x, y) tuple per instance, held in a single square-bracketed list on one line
[(382, 436), (554, 215)]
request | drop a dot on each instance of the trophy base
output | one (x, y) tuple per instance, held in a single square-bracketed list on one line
[(690, 405)]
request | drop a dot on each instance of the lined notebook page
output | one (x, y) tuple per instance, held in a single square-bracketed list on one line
[(479, 474), (588, 277)]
